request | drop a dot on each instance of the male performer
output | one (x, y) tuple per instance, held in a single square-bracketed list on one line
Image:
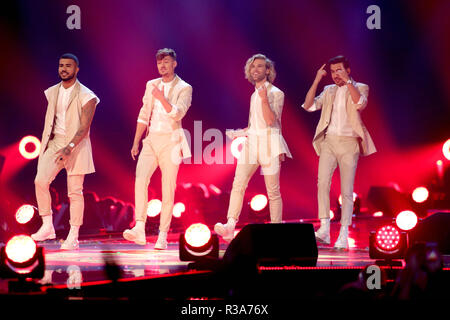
[(340, 138), (166, 101), (65, 144), (264, 146)]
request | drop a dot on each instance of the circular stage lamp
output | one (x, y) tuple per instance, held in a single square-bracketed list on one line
[(178, 209), (446, 149), (235, 144), (154, 207), (20, 249), (387, 238), (406, 220), (197, 235), (420, 194), (258, 202), (24, 147), (25, 213)]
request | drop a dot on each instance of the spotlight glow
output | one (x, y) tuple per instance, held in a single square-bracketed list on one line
[(154, 207), (420, 194), (24, 213), (20, 248), (178, 209), (388, 238), (197, 235), (378, 214), (354, 198), (331, 214), (258, 202), (446, 149), (23, 145), (236, 146), (406, 220)]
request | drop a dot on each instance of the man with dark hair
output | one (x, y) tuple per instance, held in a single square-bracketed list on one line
[(65, 144), (165, 103), (340, 138)]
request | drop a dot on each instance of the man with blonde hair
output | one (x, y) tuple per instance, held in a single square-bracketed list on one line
[(165, 103), (264, 146)]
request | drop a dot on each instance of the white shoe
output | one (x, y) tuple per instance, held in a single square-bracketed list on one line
[(342, 241), (44, 233), (161, 243), (225, 231), (70, 245), (323, 233), (136, 235)]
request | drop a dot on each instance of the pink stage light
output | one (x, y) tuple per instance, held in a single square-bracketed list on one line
[(236, 146), (197, 235), (154, 207), (20, 248), (406, 220), (378, 214), (420, 194), (178, 209), (354, 198), (446, 149), (23, 147), (351, 243), (25, 213), (258, 202), (388, 238)]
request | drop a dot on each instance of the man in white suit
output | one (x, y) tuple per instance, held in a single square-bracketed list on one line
[(264, 146), (165, 103), (340, 138), (66, 145)]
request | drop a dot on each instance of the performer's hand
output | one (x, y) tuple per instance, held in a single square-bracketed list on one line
[(321, 73), (342, 73), (62, 154), (262, 91), (134, 151), (158, 94)]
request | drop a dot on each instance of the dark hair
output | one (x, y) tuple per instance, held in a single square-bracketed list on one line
[(162, 53), (70, 56), (339, 59)]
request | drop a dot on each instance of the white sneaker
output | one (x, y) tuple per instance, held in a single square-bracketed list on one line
[(225, 231), (323, 233), (136, 235), (342, 241), (70, 245), (44, 233), (161, 243)]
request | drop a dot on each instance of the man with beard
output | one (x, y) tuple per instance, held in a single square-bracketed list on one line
[(165, 103), (264, 146), (339, 140), (65, 144)]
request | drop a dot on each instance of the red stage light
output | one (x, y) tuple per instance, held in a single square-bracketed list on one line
[(258, 202), (23, 146), (354, 198), (420, 194), (378, 214), (406, 220), (20, 248), (178, 209), (388, 238), (197, 235), (446, 149), (25, 213), (154, 207), (236, 146)]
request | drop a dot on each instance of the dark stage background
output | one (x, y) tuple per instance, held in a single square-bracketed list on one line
[(405, 63)]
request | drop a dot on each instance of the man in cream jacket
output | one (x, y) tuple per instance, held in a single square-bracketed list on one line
[(339, 140), (165, 103)]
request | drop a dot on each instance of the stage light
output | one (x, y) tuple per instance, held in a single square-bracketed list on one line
[(25, 213), (197, 243), (387, 243), (258, 202), (354, 198), (420, 194), (178, 209), (24, 145), (406, 220), (21, 258), (154, 207), (378, 214), (235, 144), (446, 149), (351, 243)]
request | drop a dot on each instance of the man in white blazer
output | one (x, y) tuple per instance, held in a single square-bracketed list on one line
[(65, 144), (339, 140), (264, 146), (165, 103)]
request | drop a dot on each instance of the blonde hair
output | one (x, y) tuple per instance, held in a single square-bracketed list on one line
[(269, 65)]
